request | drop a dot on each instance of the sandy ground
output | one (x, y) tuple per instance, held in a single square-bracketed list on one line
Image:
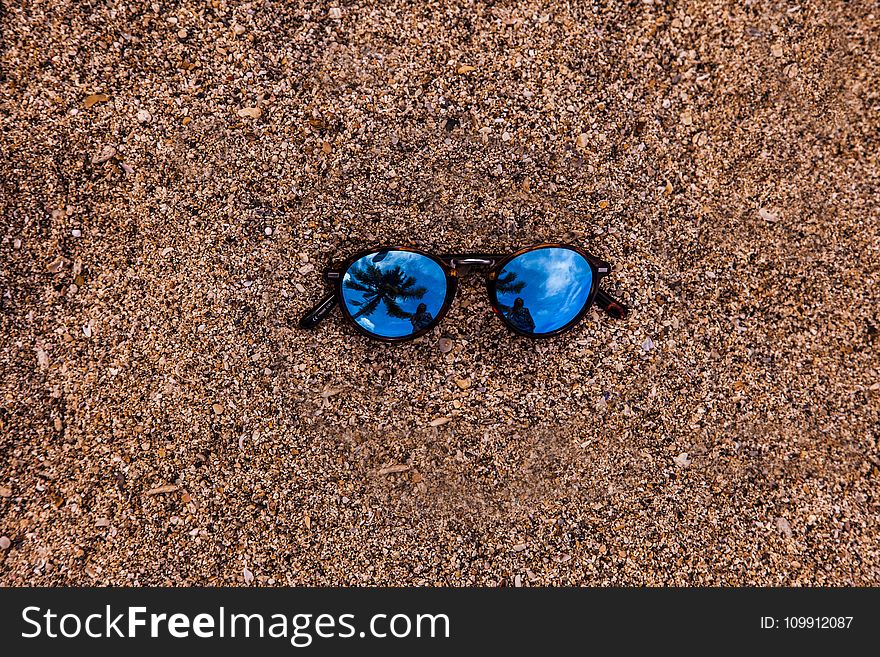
[(175, 176)]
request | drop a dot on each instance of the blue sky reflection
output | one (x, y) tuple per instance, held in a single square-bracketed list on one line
[(557, 285)]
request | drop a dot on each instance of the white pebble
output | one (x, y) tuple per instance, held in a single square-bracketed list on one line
[(268, 231), (76, 232)]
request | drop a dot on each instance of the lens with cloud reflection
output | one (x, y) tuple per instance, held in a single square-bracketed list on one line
[(541, 291), (393, 294)]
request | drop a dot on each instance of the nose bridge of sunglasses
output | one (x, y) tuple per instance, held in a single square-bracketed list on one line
[(463, 265)]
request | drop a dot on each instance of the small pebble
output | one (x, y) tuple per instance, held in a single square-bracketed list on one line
[(767, 215), (784, 527), (94, 99), (682, 460), (250, 112), (76, 232), (5, 542), (108, 152), (444, 345)]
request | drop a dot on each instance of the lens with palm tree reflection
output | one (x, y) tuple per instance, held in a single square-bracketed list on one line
[(394, 293), (543, 290)]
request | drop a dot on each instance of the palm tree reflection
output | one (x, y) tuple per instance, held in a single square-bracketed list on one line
[(390, 287), (507, 283)]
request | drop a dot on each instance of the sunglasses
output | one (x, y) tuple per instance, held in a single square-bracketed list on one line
[(399, 293)]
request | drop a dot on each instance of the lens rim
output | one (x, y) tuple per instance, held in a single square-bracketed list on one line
[(451, 287), (599, 270)]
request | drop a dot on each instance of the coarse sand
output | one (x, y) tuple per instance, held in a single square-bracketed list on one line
[(175, 177)]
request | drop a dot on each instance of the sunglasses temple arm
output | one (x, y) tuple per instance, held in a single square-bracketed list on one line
[(312, 318), (610, 305)]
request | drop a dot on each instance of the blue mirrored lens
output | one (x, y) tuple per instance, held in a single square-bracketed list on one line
[(541, 291), (394, 293)]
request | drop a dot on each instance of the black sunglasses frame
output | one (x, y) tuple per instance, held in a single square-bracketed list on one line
[(455, 266)]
